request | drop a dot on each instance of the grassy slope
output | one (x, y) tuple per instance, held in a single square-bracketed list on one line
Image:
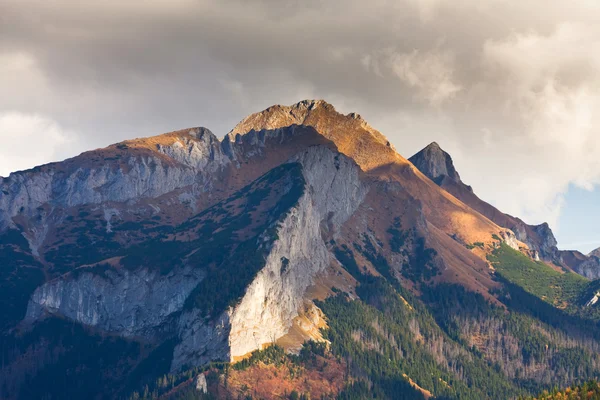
[(562, 290)]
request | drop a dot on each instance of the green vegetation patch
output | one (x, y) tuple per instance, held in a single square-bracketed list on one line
[(387, 336), (537, 334), (563, 290), (273, 354)]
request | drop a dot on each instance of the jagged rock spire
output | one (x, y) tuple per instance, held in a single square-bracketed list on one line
[(435, 163)]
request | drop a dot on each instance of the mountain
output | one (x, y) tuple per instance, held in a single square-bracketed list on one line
[(438, 166), (300, 254)]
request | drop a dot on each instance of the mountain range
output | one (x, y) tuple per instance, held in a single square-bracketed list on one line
[(299, 256)]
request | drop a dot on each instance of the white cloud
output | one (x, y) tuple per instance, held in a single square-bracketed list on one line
[(29, 140), (431, 73), (550, 86)]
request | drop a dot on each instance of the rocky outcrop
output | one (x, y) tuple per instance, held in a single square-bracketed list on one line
[(539, 238), (510, 239), (201, 384), (590, 268), (115, 300), (269, 306), (435, 163), (593, 300), (199, 149), (275, 296)]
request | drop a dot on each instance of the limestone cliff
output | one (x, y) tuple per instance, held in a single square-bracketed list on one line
[(141, 301), (128, 303), (273, 299)]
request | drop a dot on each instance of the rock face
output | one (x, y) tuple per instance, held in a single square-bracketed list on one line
[(593, 300), (125, 174), (435, 163), (590, 268), (273, 299), (201, 384), (128, 303), (191, 158), (543, 241)]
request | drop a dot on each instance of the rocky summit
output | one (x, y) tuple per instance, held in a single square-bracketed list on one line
[(300, 256), (435, 163)]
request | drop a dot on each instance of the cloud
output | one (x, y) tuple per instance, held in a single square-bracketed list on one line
[(510, 89), (29, 139), (550, 88), (429, 72)]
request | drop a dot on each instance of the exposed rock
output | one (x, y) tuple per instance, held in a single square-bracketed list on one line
[(276, 295), (593, 300), (590, 268), (189, 159), (200, 150), (200, 340), (547, 242), (273, 299), (435, 163), (510, 239), (116, 300), (201, 384)]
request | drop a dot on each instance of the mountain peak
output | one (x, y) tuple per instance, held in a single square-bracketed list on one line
[(352, 135), (199, 134), (279, 116), (434, 146), (435, 163)]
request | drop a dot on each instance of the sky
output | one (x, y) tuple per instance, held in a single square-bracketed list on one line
[(511, 89)]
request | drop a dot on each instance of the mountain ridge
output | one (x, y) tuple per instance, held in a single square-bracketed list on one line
[(438, 166), (200, 251)]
